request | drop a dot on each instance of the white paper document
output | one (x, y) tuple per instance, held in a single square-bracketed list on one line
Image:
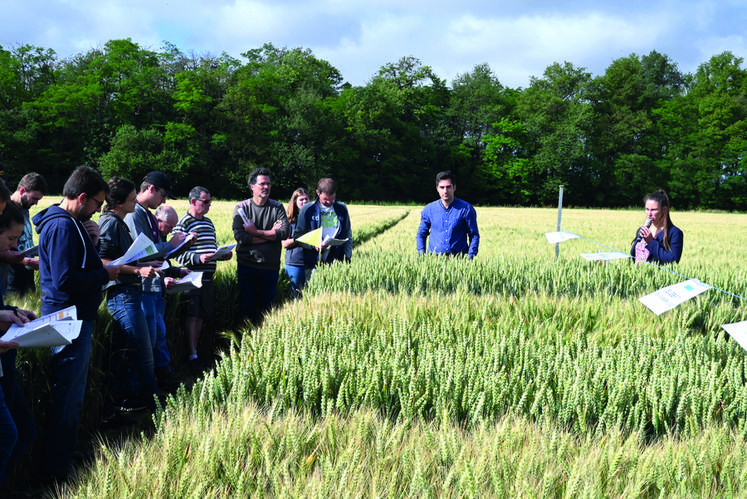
[(667, 298), (243, 216), (222, 251), (331, 241), (611, 255), (738, 331), (179, 248), (190, 281), (31, 252), (59, 328), (559, 237), (141, 247)]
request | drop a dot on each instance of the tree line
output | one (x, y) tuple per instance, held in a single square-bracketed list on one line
[(209, 120)]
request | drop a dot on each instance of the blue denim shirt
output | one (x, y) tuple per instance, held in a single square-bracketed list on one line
[(449, 228)]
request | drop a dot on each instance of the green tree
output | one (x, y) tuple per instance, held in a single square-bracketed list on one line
[(556, 114), (396, 125), (624, 136), (507, 166), (134, 153), (198, 130), (707, 133), (275, 116), (477, 102), (25, 73), (96, 93)]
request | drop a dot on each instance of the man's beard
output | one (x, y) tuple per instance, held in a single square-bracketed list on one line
[(25, 203)]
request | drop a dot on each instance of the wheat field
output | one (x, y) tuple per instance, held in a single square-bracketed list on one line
[(517, 374)]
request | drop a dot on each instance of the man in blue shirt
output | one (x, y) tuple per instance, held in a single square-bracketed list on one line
[(449, 222)]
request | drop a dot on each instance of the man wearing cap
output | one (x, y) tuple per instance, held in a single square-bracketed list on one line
[(154, 190)]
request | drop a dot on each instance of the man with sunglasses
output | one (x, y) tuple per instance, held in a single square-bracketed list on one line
[(200, 257)]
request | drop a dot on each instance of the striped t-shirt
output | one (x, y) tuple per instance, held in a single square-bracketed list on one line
[(205, 243)]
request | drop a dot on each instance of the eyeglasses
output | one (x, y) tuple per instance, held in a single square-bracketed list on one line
[(162, 192), (205, 201), (99, 204), (170, 226)]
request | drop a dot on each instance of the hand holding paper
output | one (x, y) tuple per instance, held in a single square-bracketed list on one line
[(141, 247), (222, 252), (313, 238), (59, 328), (183, 243), (190, 281)]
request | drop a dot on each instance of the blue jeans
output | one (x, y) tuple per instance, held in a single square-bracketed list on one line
[(19, 409), (68, 373), (297, 277), (125, 305), (257, 289), (154, 306), (8, 436)]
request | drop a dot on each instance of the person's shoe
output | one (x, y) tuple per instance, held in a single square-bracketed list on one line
[(132, 404)]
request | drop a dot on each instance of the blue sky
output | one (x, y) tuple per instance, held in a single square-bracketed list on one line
[(517, 39)]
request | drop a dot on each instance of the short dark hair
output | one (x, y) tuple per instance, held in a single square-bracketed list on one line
[(446, 175), (12, 214), (84, 180), (119, 190), (33, 182), (327, 186), (196, 192), (256, 173)]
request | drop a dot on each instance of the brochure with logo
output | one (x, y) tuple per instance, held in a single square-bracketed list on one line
[(59, 328)]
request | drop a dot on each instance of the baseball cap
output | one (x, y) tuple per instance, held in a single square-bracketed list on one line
[(160, 180)]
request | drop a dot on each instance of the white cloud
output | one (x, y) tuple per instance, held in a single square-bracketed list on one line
[(519, 48), (380, 41), (244, 19), (518, 39)]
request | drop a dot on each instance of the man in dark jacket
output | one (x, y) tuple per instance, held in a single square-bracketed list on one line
[(332, 217), (70, 273)]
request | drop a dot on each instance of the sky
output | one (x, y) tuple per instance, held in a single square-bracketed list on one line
[(518, 39)]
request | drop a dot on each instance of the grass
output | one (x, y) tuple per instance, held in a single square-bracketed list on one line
[(514, 375)]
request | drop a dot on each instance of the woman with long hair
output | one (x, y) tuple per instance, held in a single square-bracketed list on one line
[(17, 426), (131, 340), (294, 264), (658, 240)]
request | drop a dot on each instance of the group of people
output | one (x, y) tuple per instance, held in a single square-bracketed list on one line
[(262, 228), (77, 266), (450, 227)]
